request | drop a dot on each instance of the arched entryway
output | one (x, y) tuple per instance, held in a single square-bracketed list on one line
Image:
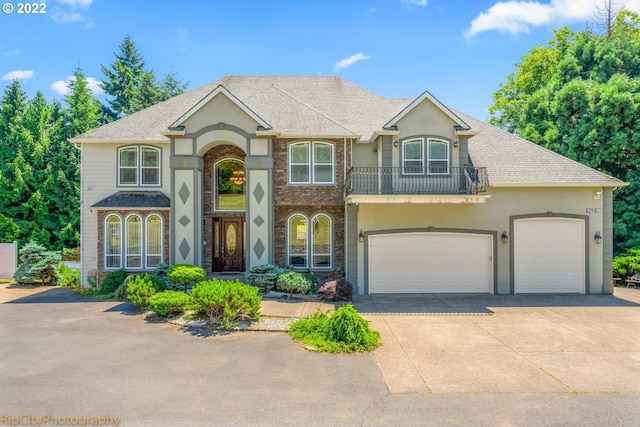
[(224, 209)]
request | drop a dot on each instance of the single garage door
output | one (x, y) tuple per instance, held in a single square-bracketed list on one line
[(549, 255), (430, 263)]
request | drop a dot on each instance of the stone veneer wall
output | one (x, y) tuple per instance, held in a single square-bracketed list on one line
[(102, 214), (210, 158)]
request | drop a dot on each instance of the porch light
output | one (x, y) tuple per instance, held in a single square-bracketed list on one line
[(361, 236), (396, 144), (455, 144), (505, 237), (597, 195), (598, 238)]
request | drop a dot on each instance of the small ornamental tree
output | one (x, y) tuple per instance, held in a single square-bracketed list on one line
[(293, 282), (37, 265), (186, 274)]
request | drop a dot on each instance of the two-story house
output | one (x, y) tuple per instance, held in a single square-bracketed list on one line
[(399, 195)]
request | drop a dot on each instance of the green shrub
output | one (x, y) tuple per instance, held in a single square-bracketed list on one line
[(37, 265), (293, 282), (112, 281), (627, 263), (68, 276), (140, 289), (227, 301), (343, 332), (264, 276), (169, 303), (160, 273), (186, 274)]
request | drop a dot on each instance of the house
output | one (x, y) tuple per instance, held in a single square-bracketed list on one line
[(399, 195)]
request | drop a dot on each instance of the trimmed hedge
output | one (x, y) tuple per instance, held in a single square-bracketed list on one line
[(169, 303), (227, 301)]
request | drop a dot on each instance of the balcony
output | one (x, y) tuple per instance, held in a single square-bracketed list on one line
[(416, 185)]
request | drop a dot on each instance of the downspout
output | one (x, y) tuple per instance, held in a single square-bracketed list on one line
[(346, 215)]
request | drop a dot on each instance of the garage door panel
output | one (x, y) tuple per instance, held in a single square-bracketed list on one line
[(430, 263), (549, 255)]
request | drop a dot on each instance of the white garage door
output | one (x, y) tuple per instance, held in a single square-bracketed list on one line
[(549, 255), (430, 263)]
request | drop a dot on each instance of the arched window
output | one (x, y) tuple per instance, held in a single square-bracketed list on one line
[(229, 185), (133, 242), (297, 241), (321, 241), (314, 238), (112, 242), (154, 241), (311, 162)]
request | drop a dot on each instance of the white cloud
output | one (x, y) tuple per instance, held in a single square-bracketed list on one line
[(64, 18), (19, 75), (83, 4), (183, 35), (347, 62), (14, 52), (61, 87), (518, 16), (414, 3)]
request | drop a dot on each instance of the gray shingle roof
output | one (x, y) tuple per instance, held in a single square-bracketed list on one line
[(511, 160), (135, 199), (330, 105)]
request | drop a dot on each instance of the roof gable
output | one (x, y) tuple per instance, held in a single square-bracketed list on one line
[(219, 91), (426, 96)]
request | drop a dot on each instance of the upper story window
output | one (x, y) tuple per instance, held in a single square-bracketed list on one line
[(415, 162), (229, 185), (139, 166), (311, 162)]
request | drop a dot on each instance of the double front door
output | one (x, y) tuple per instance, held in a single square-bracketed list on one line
[(228, 243)]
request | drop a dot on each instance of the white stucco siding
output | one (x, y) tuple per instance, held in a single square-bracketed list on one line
[(494, 216), (99, 181)]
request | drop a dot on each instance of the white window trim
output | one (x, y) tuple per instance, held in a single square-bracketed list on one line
[(127, 254), (139, 167), (106, 242), (123, 250), (404, 157), (313, 254), (448, 159), (311, 163), (147, 254), (309, 242), (214, 193)]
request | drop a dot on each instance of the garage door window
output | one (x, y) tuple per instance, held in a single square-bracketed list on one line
[(309, 243)]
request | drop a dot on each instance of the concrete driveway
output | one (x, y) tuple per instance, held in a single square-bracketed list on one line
[(66, 356), (507, 344)]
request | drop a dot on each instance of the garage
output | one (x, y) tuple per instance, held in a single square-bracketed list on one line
[(430, 262), (549, 255)]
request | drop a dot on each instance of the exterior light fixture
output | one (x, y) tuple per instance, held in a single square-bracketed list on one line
[(598, 237), (597, 195), (361, 236), (396, 143), (455, 144), (505, 237)]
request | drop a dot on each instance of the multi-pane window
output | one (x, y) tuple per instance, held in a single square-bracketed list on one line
[(414, 161), (139, 166), (309, 243), (112, 239), (138, 245), (311, 162)]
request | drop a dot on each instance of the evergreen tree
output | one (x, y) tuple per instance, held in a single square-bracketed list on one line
[(171, 86), (124, 78), (84, 112)]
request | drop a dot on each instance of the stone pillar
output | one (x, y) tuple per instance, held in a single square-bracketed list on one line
[(259, 186), (186, 209)]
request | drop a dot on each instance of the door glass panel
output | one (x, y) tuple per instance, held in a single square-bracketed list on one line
[(231, 239)]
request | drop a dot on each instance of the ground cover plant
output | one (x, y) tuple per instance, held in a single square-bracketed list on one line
[(345, 331)]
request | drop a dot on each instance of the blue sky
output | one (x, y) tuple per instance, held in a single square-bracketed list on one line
[(459, 50)]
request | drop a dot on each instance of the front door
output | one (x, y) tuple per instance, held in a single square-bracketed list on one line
[(229, 239)]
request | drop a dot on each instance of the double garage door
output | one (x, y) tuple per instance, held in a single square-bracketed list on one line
[(430, 263), (548, 257)]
